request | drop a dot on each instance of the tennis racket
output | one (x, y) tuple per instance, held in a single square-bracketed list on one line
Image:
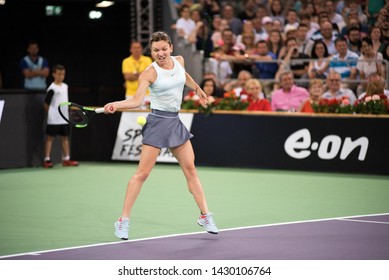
[(77, 115)]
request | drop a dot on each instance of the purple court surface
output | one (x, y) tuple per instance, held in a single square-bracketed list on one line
[(351, 238)]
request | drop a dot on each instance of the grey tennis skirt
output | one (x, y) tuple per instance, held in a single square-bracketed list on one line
[(164, 130)]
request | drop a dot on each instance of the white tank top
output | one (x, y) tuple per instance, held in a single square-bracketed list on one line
[(167, 91)]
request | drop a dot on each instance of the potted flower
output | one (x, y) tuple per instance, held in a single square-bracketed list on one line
[(334, 106), (375, 104)]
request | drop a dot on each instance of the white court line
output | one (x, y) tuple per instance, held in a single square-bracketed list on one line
[(363, 221), (186, 234)]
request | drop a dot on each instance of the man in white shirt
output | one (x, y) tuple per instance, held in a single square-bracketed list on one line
[(335, 90), (185, 25), (326, 34)]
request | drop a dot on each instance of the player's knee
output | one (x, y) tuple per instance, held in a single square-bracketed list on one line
[(141, 176), (191, 171)]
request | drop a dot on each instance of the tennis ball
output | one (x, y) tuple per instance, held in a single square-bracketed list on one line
[(141, 120)]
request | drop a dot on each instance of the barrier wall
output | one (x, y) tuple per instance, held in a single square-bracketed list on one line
[(22, 127), (268, 140)]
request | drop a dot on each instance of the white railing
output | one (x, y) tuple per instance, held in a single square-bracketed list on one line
[(286, 66)]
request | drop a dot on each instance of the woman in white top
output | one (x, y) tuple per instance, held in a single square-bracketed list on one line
[(165, 78), (319, 65), (369, 62)]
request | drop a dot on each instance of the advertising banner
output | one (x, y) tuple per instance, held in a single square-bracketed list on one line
[(128, 144)]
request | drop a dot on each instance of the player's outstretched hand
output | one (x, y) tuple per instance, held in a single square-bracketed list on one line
[(203, 96), (110, 108)]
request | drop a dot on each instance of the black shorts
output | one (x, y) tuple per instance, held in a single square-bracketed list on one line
[(57, 129)]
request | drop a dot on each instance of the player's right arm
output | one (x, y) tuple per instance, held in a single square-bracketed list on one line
[(146, 78)]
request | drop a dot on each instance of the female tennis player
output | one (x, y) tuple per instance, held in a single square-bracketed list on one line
[(165, 78)]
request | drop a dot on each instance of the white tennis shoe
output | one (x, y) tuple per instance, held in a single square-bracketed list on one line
[(206, 221), (122, 225)]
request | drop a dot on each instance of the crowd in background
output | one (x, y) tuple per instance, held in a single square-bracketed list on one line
[(299, 51)]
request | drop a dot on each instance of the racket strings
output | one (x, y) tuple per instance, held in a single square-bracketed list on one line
[(74, 115), (78, 116)]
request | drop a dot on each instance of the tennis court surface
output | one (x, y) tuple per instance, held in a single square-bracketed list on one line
[(68, 214)]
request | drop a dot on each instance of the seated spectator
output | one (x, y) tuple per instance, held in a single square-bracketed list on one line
[(290, 32), (261, 10), (248, 29), (319, 65), (248, 10), (248, 41), (335, 90), (377, 39), (327, 35), (383, 23), (374, 88), (302, 39), (221, 68), (354, 40), (209, 87), (201, 35), (382, 13), (277, 25), (185, 25), (262, 53), (355, 10), (235, 23), (354, 22), (305, 18), (222, 57), (211, 7), (369, 62), (241, 51), (260, 32), (218, 25), (291, 19), (276, 43), (277, 11), (309, 8), (345, 62), (218, 87), (334, 17), (375, 78), (266, 70), (255, 96), (316, 89), (372, 9), (295, 61), (232, 52), (267, 23), (238, 86), (289, 97)]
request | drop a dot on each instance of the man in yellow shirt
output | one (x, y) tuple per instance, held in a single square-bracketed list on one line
[(132, 66)]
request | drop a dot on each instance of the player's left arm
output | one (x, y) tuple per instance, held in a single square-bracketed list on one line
[(191, 83)]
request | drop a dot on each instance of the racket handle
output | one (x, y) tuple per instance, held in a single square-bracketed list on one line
[(99, 110)]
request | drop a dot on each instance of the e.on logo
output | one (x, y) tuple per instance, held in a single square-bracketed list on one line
[(299, 145)]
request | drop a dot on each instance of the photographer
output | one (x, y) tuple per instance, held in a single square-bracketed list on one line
[(297, 61), (293, 60)]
